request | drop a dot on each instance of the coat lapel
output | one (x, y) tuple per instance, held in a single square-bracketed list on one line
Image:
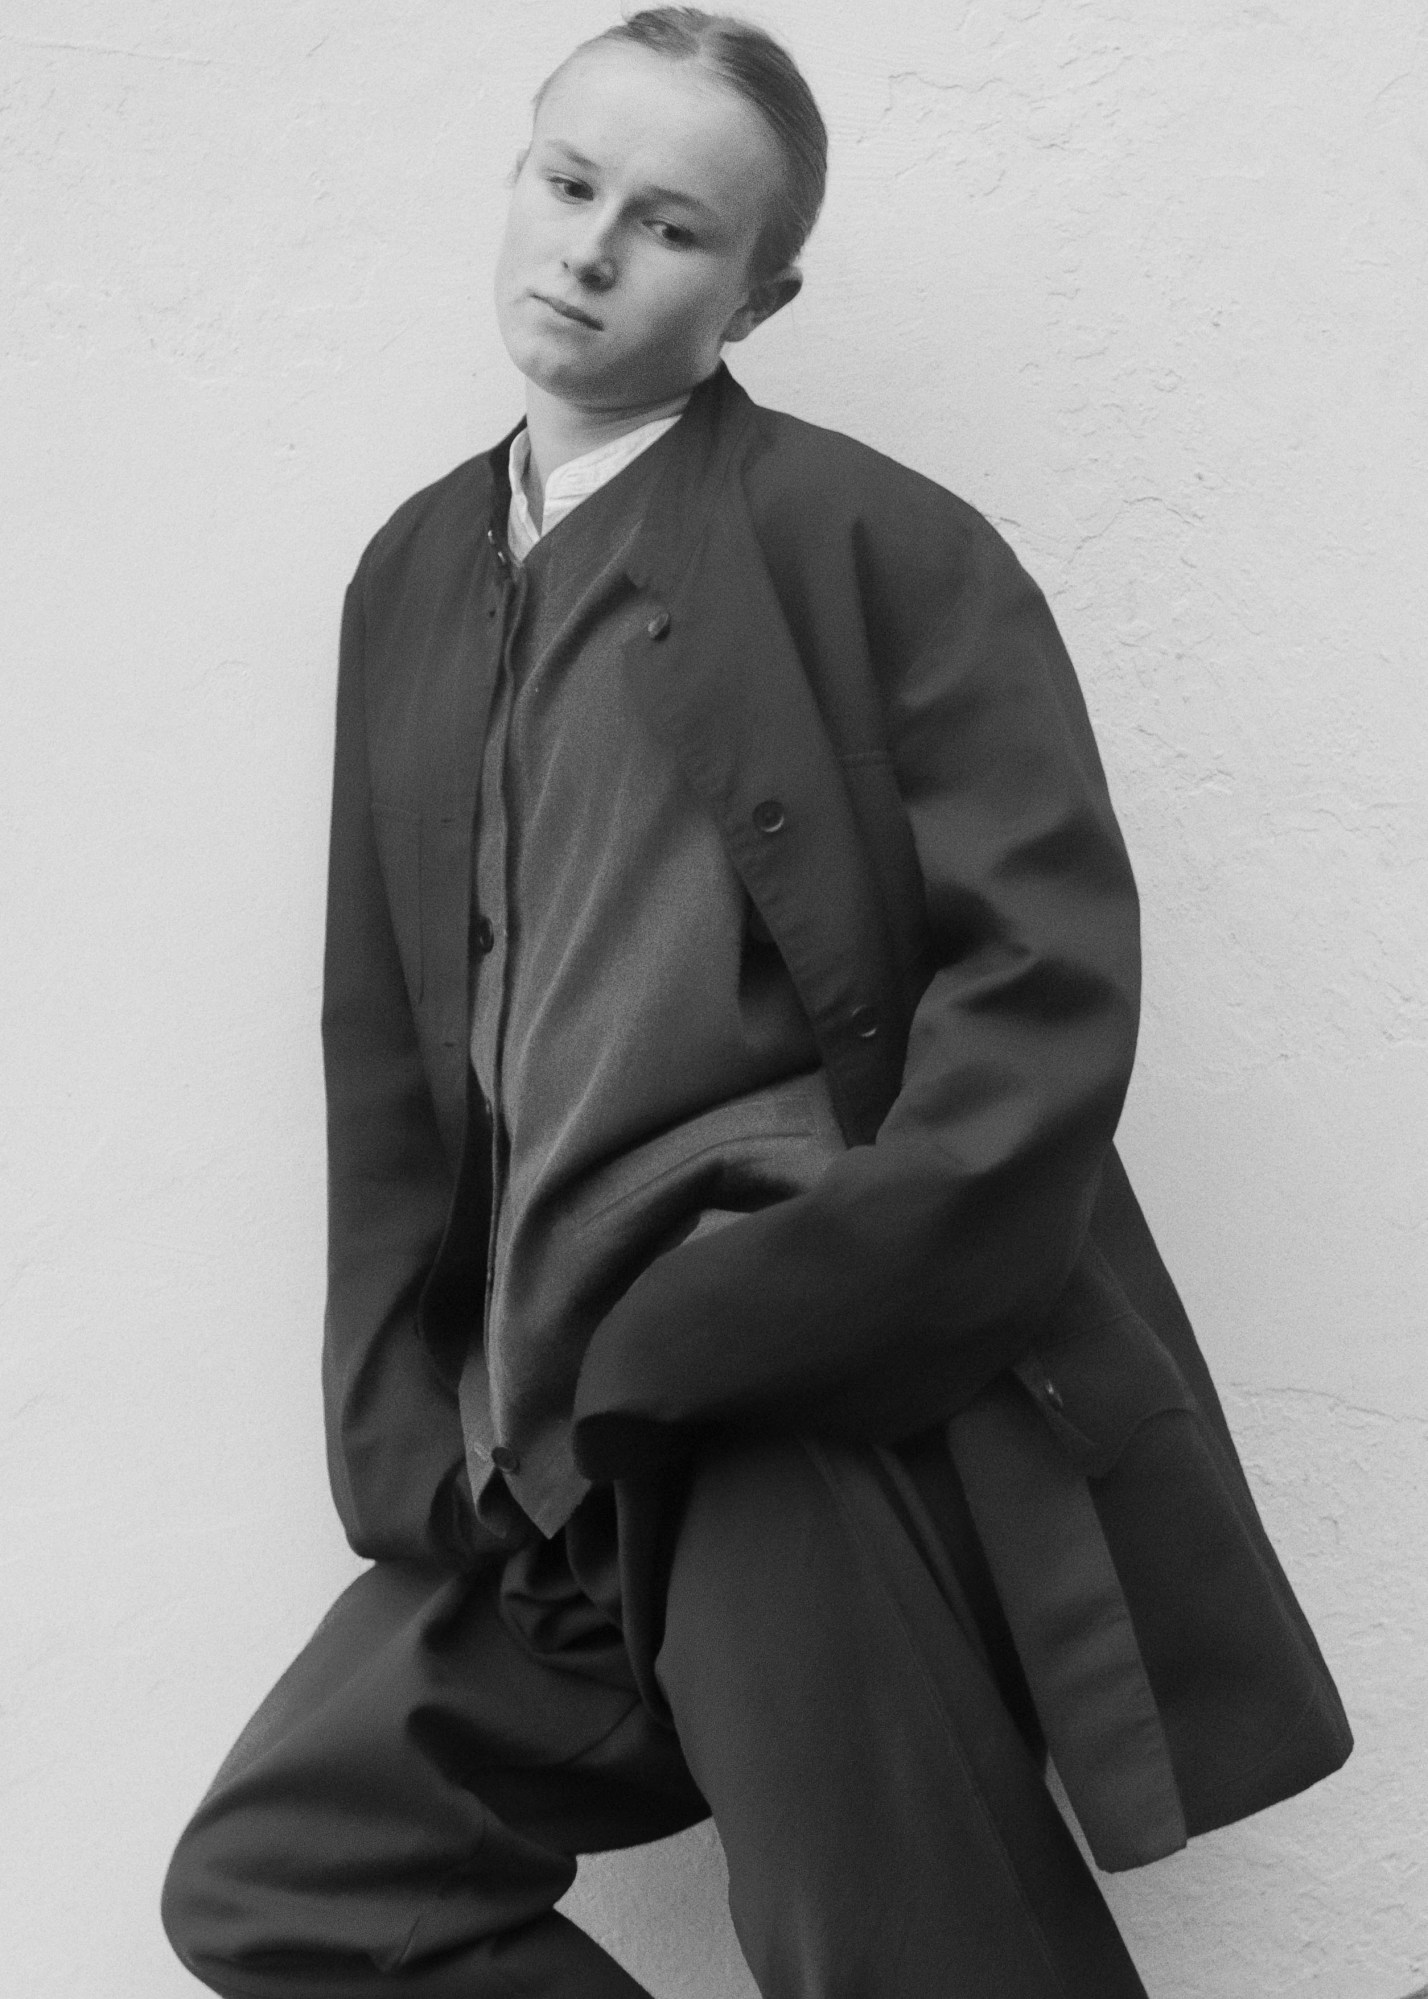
[(720, 680), (427, 722)]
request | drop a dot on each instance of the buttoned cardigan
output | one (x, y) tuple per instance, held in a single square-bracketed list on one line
[(870, 697), (642, 1055)]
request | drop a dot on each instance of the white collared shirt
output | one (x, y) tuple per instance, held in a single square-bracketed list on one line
[(576, 480)]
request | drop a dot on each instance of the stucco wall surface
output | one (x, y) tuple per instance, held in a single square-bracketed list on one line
[(1146, 282)]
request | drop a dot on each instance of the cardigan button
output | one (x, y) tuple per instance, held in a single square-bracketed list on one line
[(1052, 1394), (505, 1459), (658, 625), (768, 815), (485, 935), (864, 1022)]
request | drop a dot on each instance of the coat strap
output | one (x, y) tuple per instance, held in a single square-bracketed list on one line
[(1068, 1615)]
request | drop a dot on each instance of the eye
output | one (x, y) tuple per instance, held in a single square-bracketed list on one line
[(671, 233), (568, 188)]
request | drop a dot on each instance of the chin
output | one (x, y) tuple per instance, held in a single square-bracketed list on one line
[(561, 377), (544, 362)]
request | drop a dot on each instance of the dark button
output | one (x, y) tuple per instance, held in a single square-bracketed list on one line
[(505, 1459), (485, 935), (658, 625), (1052, 1394), (496, 548), (864, 1022), (768, 815)]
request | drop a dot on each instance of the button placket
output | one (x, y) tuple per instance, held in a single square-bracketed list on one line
[(491, 937)]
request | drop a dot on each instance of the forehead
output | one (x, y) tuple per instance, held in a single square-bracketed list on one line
[(644, 119)]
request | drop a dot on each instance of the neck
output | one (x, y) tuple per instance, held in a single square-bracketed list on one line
[(560, 431)]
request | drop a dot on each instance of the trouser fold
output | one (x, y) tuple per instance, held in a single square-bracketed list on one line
[(816, 1659)]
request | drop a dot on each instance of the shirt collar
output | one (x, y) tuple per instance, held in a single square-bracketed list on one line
[(577, 478)]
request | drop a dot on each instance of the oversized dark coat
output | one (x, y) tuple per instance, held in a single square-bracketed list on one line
[(870, 697)]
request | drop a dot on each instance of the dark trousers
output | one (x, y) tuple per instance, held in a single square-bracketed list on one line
[(798, 1637)]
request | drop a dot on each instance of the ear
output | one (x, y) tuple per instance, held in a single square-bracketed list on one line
[(521, 157), (766, 298)]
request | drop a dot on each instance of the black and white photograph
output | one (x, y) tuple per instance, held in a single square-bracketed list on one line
[(714, 1134)]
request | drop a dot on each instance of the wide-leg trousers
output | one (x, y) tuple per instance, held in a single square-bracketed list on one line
[(795, 1635)]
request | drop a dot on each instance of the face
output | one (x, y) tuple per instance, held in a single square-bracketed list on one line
[(627, 258)]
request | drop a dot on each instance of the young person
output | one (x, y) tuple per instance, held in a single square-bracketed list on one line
[(747, 1367)]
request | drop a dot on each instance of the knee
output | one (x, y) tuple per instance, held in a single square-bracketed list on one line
[(188, 1902), (215, 1905)]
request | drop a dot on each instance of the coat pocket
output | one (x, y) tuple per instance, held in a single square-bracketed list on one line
[(1097, 1371), (730, 1160)]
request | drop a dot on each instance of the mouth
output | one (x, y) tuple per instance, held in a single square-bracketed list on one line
[(569, 311)]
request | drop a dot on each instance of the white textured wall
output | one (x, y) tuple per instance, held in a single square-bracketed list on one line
[(1144, 280)]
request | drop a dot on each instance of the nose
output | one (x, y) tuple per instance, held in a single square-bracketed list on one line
[(590, 256)]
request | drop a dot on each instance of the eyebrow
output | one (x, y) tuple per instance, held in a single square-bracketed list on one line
[(666, 194)]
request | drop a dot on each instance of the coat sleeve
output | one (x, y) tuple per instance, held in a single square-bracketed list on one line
[(394, 1443), (921, 1265)]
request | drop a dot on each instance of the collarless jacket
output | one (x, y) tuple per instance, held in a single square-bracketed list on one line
[(870, 697)]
